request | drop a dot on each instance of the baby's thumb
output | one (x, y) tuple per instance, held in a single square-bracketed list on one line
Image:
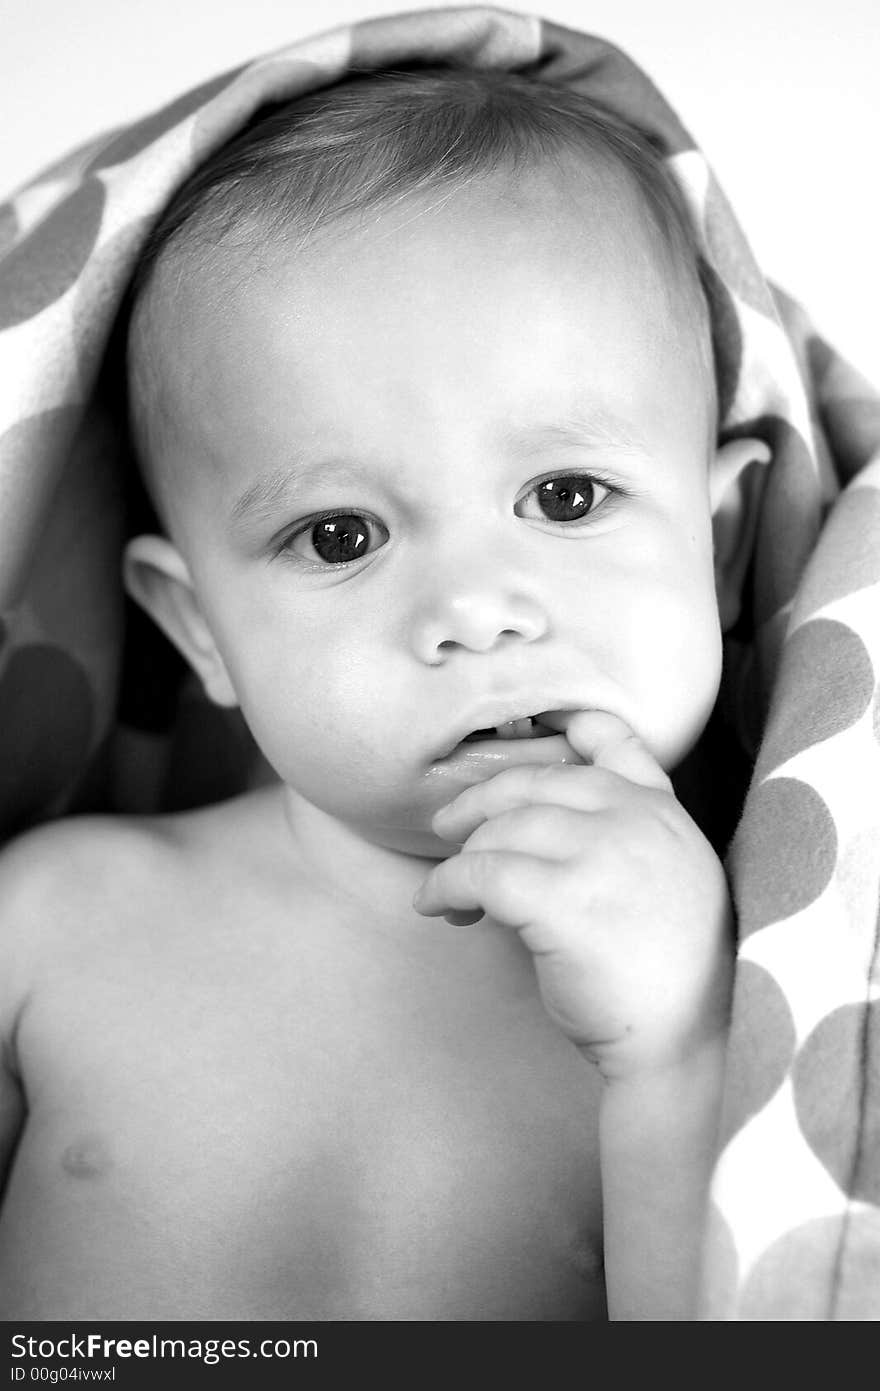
[(606, 741)]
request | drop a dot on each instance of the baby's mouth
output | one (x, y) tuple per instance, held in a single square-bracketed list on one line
[(529, 727), (525, 739)]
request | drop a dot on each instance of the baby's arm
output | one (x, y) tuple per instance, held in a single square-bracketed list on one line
[(16, 864), (624, 906), (11, 1116)]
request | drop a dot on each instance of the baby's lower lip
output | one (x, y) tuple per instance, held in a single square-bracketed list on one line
[(481, 757)]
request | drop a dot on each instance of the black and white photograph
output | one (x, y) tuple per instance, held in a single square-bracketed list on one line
[(439, 661)]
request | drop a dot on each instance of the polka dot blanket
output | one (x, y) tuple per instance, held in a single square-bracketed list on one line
[(794, 1221)]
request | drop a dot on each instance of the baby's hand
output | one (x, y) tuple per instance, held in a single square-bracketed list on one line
[(613, 888)]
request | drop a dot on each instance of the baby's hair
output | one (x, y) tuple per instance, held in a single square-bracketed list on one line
[(376, 138)]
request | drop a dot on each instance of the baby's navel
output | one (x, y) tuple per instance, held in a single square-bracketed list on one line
[(86, 1158)]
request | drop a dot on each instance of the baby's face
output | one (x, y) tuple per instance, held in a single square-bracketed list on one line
[(444, 472)]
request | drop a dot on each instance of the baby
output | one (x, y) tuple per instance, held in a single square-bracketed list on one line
[(430, 1025)]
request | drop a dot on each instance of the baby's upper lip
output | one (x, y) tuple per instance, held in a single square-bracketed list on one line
[(497, 712)]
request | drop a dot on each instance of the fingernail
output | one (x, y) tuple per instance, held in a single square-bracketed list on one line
[(444, 832)]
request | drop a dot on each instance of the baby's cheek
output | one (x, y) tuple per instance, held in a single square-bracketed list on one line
[(676, 665), (326, 729)]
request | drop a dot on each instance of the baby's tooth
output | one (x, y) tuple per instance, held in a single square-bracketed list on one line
[(515, 729)]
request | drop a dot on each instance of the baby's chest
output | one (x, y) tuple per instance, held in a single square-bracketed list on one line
[(421, 1162)]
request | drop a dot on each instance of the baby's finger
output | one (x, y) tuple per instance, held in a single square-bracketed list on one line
[(550, 833), (464, 919), (606, 741), (510, 887), (568, 785)]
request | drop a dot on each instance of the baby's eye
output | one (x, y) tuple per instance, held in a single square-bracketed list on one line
[(566, 498), (336, 539)]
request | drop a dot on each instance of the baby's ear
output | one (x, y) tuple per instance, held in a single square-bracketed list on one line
[(157, 576), (736, 483)]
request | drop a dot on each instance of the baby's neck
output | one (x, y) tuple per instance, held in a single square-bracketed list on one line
[(346, 860)]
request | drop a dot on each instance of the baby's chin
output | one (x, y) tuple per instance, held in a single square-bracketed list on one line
[(420, 844)]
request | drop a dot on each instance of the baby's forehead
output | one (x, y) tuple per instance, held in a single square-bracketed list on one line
[(198, 277), (205, 292)]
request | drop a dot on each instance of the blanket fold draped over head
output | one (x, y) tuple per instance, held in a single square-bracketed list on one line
[(794, 1225)]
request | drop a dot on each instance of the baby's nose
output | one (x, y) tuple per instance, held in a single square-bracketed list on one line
[(476, 616)]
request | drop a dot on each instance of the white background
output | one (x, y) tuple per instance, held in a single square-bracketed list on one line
[(783, 96)]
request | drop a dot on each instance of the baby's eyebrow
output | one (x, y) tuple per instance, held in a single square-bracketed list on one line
[(597, 428), (262, 497)]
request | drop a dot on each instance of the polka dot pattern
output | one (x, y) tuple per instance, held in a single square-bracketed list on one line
[(8, 226), (596, 67), (826, 1269), (828, 1090), (730, 253), (802, 658), (805, 862), (32, 455), (754, 1076), (856, 422), (40, 269), (827, 685), (855, 523), (136, 138), (790, 519), (726, 338), (855, 1294), (793, 1280)]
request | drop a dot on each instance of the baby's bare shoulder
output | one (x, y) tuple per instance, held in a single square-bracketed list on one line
[(89, 869), (59, 888), (67, 865), (84, 889)]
